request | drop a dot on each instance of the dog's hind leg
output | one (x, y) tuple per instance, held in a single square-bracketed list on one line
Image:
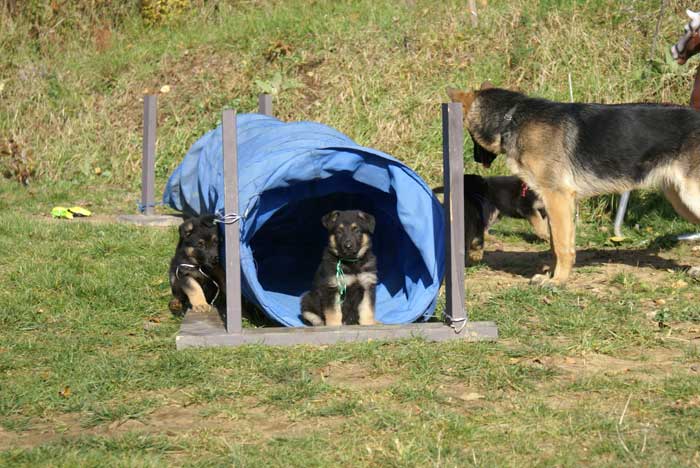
[(686, 200), (196, 295), (312, 318), (561, 208)]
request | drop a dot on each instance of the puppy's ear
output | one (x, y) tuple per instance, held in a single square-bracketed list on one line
[(186, 229), (367, 220), (486, 85), (466, 98), (329, 220), (208, 220)]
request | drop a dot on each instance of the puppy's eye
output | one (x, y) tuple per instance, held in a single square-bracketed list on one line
[(355, 229), (200, 243)]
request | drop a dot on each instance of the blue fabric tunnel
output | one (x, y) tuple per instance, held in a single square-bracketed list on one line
[(290, 175)]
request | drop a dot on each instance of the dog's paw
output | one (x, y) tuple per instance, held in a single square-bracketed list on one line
[(313, 319), (203, 309), (545, 281)]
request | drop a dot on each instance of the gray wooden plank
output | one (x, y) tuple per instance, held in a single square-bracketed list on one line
[(148, 174), (207, 329), (231, 230), (453, 167), (265, 104)]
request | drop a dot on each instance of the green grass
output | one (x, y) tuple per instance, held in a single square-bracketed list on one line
[(89, 374)]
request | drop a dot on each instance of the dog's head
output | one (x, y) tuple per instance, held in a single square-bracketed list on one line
[(349, 232), (487, 144), (199, 239)]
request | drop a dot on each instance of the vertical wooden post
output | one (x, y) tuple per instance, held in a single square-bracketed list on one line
[(232, 230), (148, 172), (453, 173), (265, 104)]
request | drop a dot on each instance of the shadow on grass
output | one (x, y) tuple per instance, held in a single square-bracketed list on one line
[(529, 263)]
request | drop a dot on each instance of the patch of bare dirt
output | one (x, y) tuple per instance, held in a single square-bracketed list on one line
[(354, 376), (245, 421)]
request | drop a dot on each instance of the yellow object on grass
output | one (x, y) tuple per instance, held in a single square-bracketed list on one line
[(69, 213)]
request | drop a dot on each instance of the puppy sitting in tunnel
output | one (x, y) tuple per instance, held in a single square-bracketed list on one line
[(343, 288)]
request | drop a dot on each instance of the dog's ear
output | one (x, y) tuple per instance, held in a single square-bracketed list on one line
[(486, 85), (466, 98), (367, 221), (329, 219), (208, 220), (186, 229)]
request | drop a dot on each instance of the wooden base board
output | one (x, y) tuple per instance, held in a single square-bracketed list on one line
[(207, 329)]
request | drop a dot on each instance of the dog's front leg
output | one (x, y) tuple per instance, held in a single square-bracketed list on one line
[(196, 295), (333, 314), (560, 208), (366, 307)]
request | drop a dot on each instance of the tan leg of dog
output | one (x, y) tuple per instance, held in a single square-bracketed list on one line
[(539, 225), (195, 295), (689, 213), (366, 309), (334, 315), (687, 204), (561, 207)]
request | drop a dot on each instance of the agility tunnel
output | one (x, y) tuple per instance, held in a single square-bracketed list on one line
[(289, 176)]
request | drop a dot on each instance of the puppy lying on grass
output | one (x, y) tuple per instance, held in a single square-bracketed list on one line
[(196, 278), (343, 289)]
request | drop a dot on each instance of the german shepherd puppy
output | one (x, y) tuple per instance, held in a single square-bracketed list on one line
[(196, 277), (568, 151), (486, 199), (343, 289)]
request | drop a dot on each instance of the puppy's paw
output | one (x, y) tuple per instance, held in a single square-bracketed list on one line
[(475, 256), (545, 281), (175, 306), (203, 309), (312, 318)]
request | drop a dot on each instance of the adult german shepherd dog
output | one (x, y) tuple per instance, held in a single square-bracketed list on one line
[(569, 151)]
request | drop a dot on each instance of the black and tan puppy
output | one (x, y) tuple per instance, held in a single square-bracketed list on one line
[(343, 288), (510, 197), (569, 151), (499, 196), (486, 199), (196, 276)]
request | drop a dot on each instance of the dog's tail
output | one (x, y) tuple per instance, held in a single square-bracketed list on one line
[(313, 318)]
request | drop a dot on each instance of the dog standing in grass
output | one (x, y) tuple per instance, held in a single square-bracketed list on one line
[(343, 288), (570, 151), (196, 277)]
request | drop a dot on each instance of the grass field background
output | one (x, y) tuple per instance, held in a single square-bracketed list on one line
[(604, 372)]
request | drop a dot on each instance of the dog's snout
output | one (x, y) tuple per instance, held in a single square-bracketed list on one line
[(347, 244)]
